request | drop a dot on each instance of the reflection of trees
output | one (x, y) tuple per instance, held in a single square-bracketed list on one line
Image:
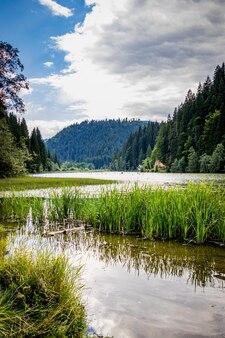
[(199, 264), (164, 259)]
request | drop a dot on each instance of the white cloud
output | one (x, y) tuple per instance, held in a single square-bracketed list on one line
[(137, 58), (48, 128), (56, 8), (48, 64)]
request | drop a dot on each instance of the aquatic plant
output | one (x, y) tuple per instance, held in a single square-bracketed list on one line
[(40, 296), (196, 213), (33, 182)]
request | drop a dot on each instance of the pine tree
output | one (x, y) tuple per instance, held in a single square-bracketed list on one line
[(12, 158)]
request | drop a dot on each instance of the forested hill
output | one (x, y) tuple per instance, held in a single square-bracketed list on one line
[(193, 139), (138, 146), (92, 141)]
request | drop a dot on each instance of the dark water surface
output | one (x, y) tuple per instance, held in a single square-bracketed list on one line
[(137, 288)]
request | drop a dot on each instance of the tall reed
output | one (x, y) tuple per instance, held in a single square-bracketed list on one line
[(195, 213)]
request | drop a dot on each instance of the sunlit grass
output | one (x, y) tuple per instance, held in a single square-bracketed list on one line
[(40, 296), (196, 213), (30, 182)]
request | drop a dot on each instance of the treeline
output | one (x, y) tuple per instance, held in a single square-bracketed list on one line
[(93, 141), (21, 153), (138, 146), (193, 139)]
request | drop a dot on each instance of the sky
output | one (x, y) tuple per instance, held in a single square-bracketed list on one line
[(97, 59)]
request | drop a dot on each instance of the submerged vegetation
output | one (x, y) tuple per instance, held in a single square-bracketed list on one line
[(196, 213), (30, 182), (40, 296)]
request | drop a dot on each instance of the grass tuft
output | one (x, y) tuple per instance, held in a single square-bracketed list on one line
[(40, 296)]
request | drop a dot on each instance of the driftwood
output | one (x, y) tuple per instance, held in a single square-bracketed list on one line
[(62, 231)]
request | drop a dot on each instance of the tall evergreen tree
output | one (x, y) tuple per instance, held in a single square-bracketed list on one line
[(198, 123)]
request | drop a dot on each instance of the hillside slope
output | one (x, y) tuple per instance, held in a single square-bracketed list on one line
[(92, 141), (193, 139)]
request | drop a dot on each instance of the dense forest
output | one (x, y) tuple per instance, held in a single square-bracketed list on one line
[(92, 141), (193, 139), (138, 146), (19, 152)]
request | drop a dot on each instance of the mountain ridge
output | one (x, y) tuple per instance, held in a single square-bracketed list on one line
[(93, 141)]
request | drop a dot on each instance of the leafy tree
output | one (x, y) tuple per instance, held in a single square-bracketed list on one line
[(11, 80), (204, 161), (178, 166), (174, 166), (217, 160), (193, 163)]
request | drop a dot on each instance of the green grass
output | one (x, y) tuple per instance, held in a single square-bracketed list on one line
[(196, 213), (40, 296), (29, 182)]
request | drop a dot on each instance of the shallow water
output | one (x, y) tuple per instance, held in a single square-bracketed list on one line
[(125, 180), (147, 178), (137, 288)]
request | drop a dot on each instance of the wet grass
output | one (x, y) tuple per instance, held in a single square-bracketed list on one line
[(196, 213), (40, 296), (29, 182)]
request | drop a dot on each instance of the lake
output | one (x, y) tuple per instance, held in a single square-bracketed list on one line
[(126, 179), (136, 288)]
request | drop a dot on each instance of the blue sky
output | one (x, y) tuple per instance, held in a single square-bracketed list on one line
[(31, 26), (94, 59)]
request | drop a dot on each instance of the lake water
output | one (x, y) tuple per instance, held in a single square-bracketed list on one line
[(137, 288), (128, 179), (147, 178)]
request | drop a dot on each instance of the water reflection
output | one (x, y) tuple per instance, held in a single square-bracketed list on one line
[(201, 265), (137, 288)]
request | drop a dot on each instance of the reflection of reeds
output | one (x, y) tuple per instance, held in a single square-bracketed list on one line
[(198, 264), (196, 213)]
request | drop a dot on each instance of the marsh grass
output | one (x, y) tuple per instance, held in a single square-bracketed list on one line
[(196, 213), (31, 182), (40, 296), (16, 208)]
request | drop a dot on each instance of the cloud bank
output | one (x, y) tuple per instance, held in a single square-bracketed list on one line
[(56, 8), (136, 58)]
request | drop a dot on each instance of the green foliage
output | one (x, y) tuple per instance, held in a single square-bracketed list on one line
[(193, 163), (18, 153), (138, 146), (197, 124), (92, 141), (217, 160), (40, 296), (196, 213), (204, 163), (11, 81), (12, 157), (28, 182), (76, 166)]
